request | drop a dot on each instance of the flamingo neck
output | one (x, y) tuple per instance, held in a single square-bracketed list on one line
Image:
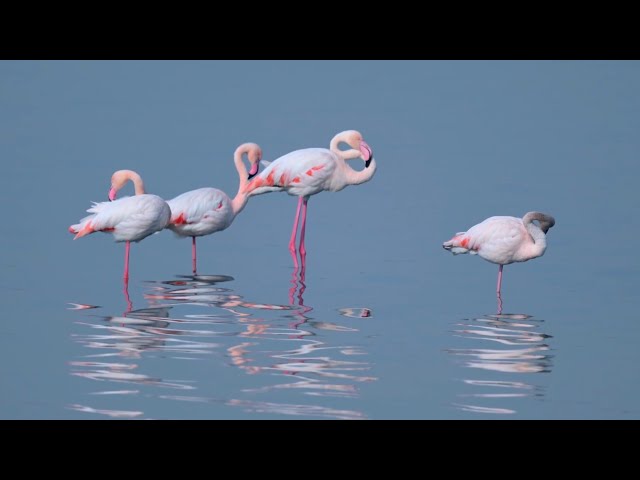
[(538, 238), (344, 154), (354, 177), (136, 179), (240, 200)]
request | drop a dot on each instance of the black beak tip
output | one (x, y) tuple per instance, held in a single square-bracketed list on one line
[(368, 162), (251, 176)]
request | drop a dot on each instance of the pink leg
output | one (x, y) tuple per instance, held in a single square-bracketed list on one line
[(126, 261), (498, 290), (303, 250), (294, 232), (126, 296), (292, 242), (193, 254)]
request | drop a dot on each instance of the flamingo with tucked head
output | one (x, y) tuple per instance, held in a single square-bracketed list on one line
[(129, 219), (504, 240), (305, 172), (208, 210)]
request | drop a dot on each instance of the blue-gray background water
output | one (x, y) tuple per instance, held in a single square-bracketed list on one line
[(386, 324)]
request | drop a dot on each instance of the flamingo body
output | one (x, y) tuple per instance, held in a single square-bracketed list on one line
[(300, 173), (200, 212), (129, 219), (208, 210), (309, 171), (501, 240)]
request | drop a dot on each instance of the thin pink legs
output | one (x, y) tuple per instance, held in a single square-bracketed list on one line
[(294, 232), (126, 261), (498, 287), (126, 296), (302, 205), (193, 254), (303, 250)]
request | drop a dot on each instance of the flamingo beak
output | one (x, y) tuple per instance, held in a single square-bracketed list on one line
[(367, 153), (254, 170), (112, 194)]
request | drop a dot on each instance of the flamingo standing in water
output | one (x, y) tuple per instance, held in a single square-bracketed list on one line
[(305, 172), (208, 210), (129, 219), (504, 240)]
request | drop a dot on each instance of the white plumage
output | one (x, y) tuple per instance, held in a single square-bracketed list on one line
[(503, 240), (200, 212), (208, 210), (309, 171), (128, 219)]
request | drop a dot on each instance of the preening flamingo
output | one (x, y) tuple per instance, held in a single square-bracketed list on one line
[(129, 219), (305, 172), (504, 240), (208, 210)]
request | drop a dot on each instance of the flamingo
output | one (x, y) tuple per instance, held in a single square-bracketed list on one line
[(305, 172), (208, 210), (504, 240), (129, 219)]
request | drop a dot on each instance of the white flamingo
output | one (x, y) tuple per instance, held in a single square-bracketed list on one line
[(129, 219), (208, 210), (305, 172), (504, 240)]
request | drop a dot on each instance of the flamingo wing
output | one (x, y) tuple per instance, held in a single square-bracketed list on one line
[(200, 211), (302, 172), (129, 218)]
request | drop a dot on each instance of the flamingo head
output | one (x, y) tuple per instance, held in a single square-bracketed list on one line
[(255, 155), (355, 140), (120, 178)]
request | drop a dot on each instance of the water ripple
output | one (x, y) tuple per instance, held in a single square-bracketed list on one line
[(522, 349), (277, 343)]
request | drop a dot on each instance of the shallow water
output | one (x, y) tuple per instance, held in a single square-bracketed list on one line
[(383, 323)]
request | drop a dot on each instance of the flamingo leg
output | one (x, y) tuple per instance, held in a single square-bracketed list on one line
[(126, 296), (193, 254), (294, 232), (303, 250), (499, 279), (126, 261)]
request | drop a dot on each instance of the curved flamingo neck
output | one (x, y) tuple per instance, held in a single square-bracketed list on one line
[(240, 200), (355, 177), (334, 146), (538, 237), (130, 175)]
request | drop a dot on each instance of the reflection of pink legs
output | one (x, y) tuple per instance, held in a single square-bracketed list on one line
[(499, 303), (193, 254), (303, 250), (126, 261)]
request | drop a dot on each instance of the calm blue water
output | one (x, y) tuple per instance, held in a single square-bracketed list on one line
[(385, 323)]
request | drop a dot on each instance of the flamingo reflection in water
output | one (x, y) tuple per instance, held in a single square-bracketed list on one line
[(520, 349)]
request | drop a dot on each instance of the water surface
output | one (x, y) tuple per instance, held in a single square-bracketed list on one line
[(384, 323)]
